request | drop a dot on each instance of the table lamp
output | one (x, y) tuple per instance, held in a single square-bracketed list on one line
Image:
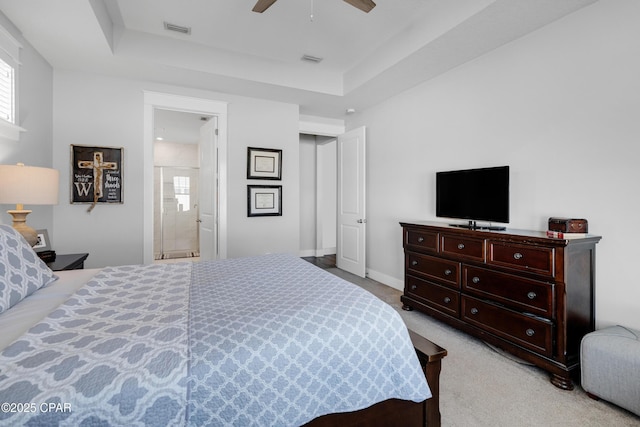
[(27, 185)]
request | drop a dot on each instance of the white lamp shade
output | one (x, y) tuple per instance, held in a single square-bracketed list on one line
[(28, 185)]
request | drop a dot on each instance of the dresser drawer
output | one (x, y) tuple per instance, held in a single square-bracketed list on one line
[(535, 259), (528, 295), (443, 271), (422, 240), (439, 297), (527, 331), (469, 248)]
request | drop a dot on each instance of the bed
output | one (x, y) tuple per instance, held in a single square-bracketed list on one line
[(269, 340)]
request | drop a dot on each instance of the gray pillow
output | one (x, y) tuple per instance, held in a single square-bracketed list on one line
[(22, 272)]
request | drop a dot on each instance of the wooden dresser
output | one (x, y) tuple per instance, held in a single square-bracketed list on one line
[(519, 290)]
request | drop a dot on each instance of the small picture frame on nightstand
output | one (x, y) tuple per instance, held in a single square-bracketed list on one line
[(43, 243)]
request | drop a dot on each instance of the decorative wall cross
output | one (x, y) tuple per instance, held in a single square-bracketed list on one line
[(98, 165)]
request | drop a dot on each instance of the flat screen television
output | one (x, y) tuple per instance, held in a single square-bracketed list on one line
[(475, 195)]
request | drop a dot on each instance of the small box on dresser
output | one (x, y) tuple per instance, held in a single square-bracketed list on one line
[(569, 225), (519, 290)]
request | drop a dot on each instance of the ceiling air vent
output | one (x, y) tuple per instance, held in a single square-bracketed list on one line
[(309, 58), (177, 28)]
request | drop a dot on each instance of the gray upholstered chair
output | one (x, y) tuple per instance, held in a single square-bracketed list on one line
[(610, 366)]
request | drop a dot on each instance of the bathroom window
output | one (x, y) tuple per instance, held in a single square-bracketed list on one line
[(182, 190)]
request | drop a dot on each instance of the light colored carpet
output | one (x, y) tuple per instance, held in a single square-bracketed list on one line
[(481, 387)]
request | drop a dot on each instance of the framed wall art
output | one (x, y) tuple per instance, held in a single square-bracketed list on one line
[(264, 163), (96, 175), (264, 200)]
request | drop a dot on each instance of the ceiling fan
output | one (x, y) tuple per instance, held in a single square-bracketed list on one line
[(363, 5)]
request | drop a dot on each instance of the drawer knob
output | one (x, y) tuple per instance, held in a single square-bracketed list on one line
[(460, 245), (447, 272), (517, 255), (475, 279), (420, 239), (414, 287), (474, 310), (447, 300), (414, 262), (530, 332), (531, 295)]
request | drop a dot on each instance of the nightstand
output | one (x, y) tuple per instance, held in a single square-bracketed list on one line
[(68, 262)]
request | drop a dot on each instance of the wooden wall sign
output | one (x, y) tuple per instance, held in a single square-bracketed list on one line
[(96, 175)]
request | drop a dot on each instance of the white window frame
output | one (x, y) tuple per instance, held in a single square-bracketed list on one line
[(10, 54)]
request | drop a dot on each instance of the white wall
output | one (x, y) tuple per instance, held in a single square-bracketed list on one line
[(35, 93), (175, 154), (103, 111), (265, 124), (561, 106)]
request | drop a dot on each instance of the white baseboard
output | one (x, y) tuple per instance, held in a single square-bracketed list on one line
[(307, 252), (317, 252), (325, 251), (386, 279)]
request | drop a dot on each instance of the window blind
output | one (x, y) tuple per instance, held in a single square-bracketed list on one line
[(7, 92)]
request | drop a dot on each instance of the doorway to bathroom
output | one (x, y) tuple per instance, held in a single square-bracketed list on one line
[(176, 186), (213, 170)]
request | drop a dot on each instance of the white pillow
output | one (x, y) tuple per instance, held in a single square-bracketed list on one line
[(22, 272)]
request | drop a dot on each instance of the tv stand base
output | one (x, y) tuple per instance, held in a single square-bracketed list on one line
[(473, 226)]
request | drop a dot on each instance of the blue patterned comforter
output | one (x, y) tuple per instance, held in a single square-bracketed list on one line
[(255, 341)]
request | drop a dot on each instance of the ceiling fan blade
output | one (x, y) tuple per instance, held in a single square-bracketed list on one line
[(363, 5), (262, 5)]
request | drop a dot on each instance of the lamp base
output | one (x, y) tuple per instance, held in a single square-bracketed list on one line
[(20, 224)]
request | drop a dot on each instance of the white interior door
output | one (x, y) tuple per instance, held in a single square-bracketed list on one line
[(351, 222), (209, 190)]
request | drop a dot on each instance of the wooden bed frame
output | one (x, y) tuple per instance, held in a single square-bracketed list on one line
[(391, 412)]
